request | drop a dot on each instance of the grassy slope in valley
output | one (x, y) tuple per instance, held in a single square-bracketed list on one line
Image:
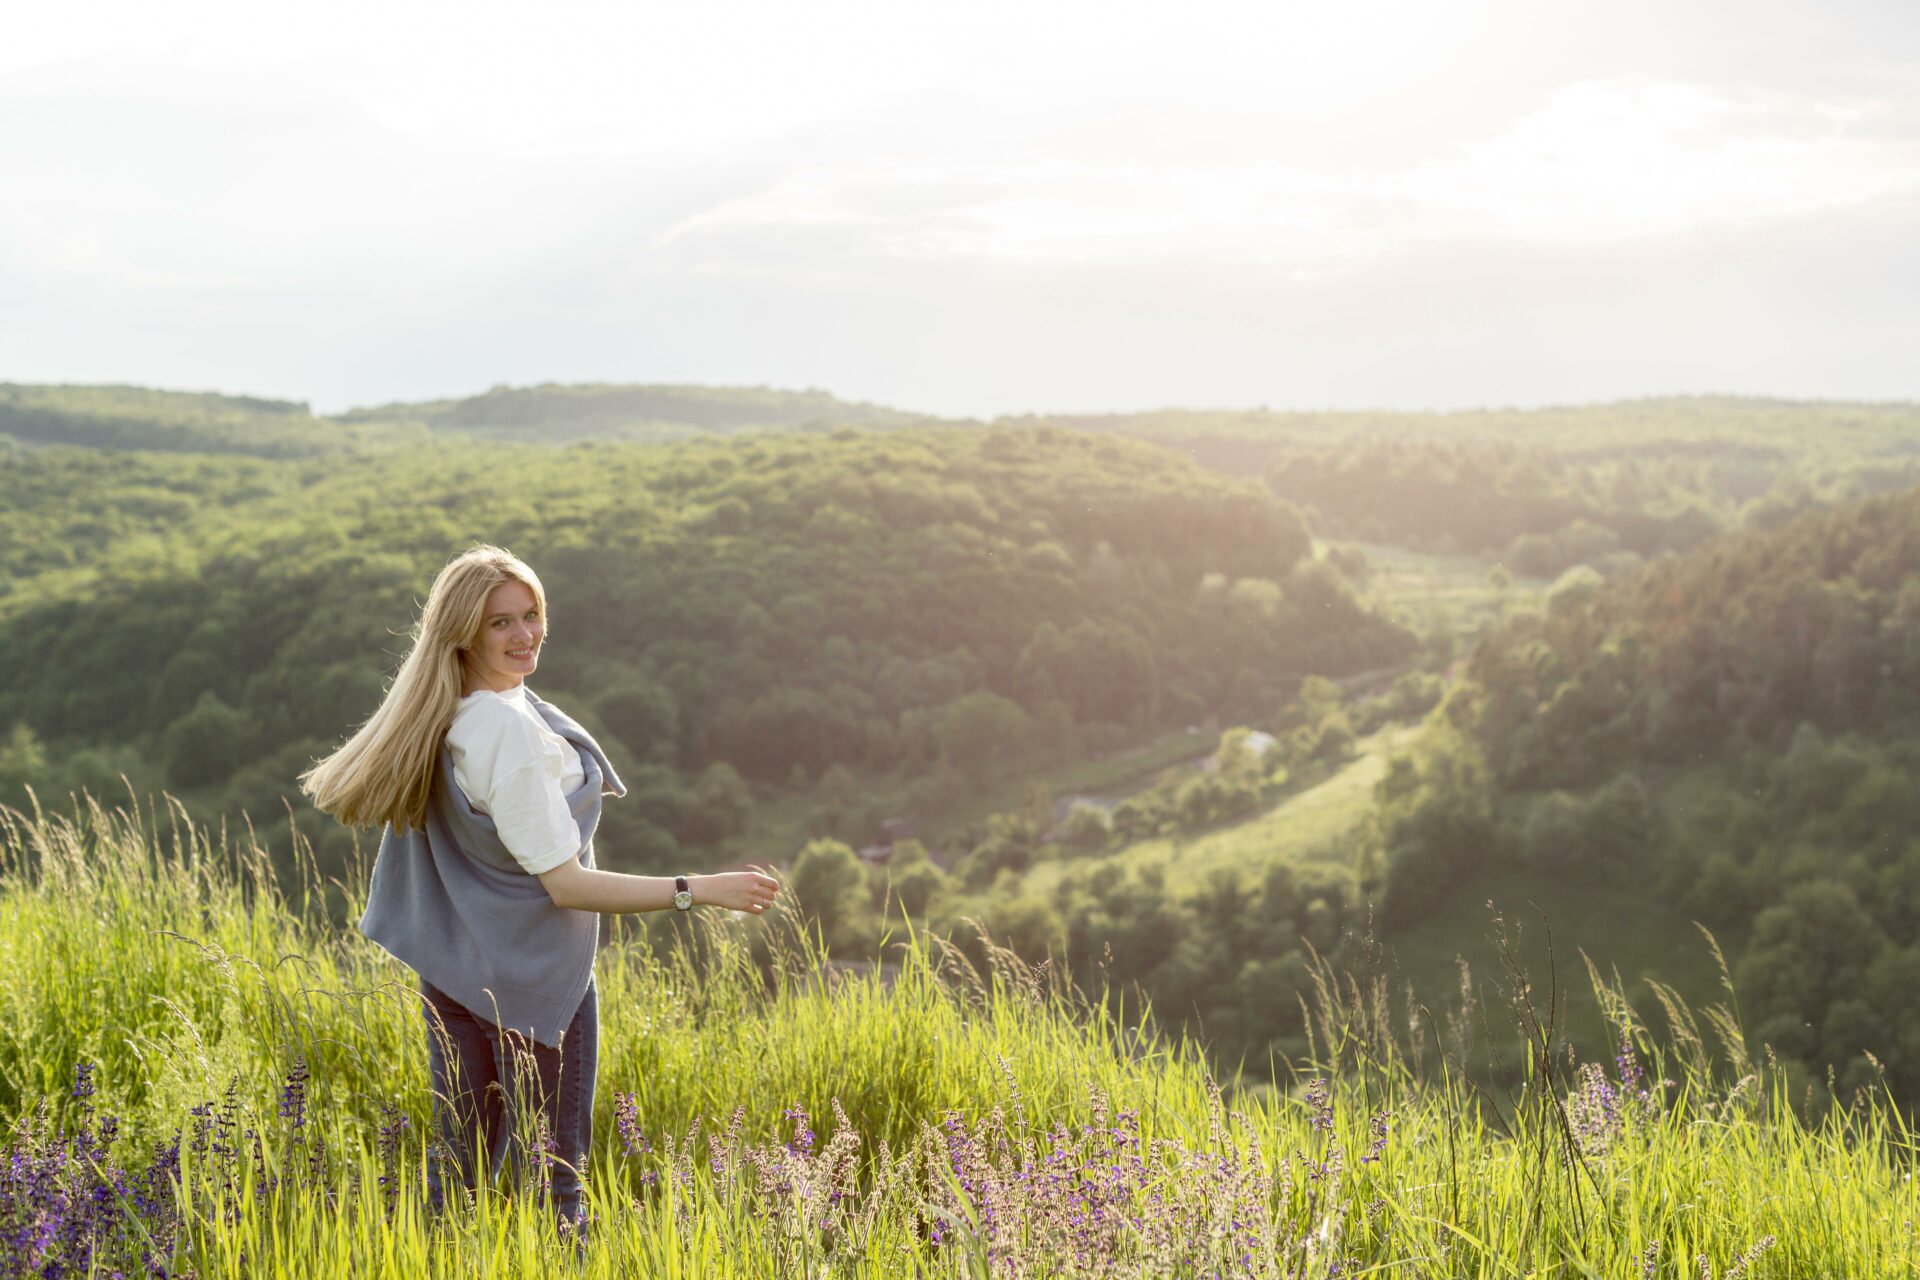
[(1311, 825)]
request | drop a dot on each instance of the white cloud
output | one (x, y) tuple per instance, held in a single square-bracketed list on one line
[(1598, 160)]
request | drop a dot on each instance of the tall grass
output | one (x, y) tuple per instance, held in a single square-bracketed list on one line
[(203, 1077)]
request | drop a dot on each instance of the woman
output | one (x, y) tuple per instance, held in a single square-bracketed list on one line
[(485, 883)]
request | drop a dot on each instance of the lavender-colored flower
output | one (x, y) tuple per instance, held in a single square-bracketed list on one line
[(1320, 1104), (626, 1120), (803, 1138), (1382, 1125), (293, 1094)]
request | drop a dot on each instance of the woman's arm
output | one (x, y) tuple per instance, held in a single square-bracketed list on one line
[(616, 893)]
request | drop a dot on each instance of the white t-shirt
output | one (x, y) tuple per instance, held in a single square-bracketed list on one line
[(519, 772)]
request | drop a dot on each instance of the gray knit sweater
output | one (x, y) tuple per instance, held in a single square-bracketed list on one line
[(453, 904)]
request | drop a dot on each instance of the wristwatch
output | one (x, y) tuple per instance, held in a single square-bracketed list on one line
[(682, 896)]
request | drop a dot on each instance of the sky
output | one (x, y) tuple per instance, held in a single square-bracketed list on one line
[(973, 209)]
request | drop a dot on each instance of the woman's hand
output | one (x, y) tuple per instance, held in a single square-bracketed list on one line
[(750, 891)]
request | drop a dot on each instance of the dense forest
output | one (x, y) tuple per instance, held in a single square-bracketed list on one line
[(1736, 729), (741, 620)]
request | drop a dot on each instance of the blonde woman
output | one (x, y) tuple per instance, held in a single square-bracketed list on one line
[(485, 883)]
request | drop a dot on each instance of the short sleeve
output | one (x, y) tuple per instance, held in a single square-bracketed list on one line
[(532, 816), (512, 772)]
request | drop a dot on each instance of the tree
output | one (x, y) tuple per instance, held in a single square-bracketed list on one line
[(913, 878), (1433, 820), (830, 885), (1808, 952), (23, 764), (644, 716), (1086, 826), (1008, 846), (208, 744), (1573, 589), (981, 735), (722, 803), (1027, 924)]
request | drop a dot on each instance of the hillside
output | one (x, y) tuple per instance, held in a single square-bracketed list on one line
[(1605, 485), (742, 620), (1735, 730)]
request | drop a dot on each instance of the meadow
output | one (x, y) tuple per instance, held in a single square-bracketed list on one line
[(201, 1076)]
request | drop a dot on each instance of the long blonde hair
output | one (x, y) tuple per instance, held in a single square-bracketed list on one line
[(384, 773)]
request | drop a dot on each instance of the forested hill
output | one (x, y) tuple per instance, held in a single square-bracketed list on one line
[(123, 418), (1736, 730), (738, 618), (1547, 489), (117, 417)]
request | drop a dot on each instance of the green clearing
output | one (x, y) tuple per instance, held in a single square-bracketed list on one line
[(1429, 591), (1306, 826)]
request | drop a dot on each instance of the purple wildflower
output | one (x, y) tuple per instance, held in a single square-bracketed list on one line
[(626, 1119), (1320, 1103), (293, 1094)]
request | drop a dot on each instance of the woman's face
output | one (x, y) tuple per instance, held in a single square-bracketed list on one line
[(509, 645)]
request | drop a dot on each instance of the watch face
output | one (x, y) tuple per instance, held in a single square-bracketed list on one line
[(683, 900)]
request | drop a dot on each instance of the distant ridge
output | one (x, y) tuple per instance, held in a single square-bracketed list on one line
[(552, 411), (122, 417), (129, 417), (1234, 440)]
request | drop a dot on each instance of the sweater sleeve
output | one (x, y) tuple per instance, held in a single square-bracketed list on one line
[(518, 783)]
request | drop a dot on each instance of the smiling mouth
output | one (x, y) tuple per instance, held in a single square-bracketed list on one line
[(522, 653)]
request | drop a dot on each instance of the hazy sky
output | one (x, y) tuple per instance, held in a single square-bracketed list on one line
[(972, 208)]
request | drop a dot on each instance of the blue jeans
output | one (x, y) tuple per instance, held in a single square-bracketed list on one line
[(479, 1072)]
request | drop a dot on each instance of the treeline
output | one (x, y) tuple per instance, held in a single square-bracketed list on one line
[(741, 621), (1737, 730)]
